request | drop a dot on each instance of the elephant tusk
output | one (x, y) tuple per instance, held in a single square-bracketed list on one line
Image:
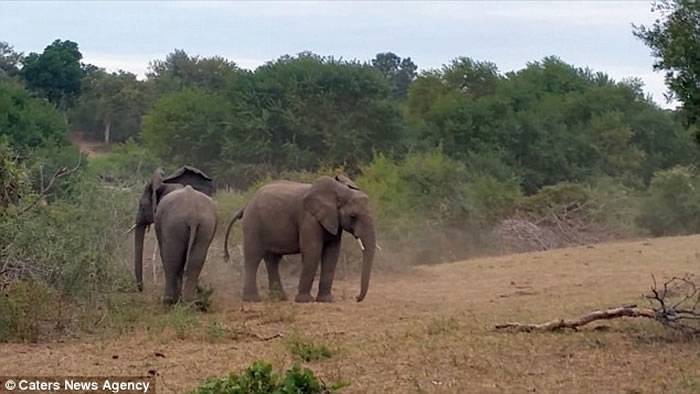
[(130, 229), (379, 248), (362, 246)]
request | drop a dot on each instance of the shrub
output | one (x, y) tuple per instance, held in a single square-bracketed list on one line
[(24, 306), (306, 350), (435, 207), (259, 378), (14, 181), (128, 164), (72, 245), (27, 122), (181, 319), (672, 204)]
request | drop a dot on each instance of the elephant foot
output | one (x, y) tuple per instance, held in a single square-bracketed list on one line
[(324, 298), (251, 298), (169, 301), (278, 295), (304, 298)]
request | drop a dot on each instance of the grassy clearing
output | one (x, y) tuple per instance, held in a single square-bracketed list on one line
[(426, 330)]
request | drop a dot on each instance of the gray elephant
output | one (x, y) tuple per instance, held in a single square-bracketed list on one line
[(288, 217), (185, 223)]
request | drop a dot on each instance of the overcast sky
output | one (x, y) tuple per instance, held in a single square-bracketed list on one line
[(128, 35)]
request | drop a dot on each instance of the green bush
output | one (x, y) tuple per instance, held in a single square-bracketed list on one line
[(435, 208), (27, 122), (73, 244), (672, 203), (14, 180), (306, 350), (259, 378), (24, 307), (127, 165)]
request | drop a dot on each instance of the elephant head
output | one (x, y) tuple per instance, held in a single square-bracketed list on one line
[(155, 190), (339, 205)]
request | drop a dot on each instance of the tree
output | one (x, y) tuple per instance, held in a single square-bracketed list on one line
[(399, 72), (674, 39), (27, 122), (180, 70), (110, 103), (323, 111), (55, 73), (187, 127), (549, 122), (10, 60), (473, 78)]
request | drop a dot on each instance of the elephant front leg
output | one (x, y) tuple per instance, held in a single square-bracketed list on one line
[(329, 261), (309, 261)]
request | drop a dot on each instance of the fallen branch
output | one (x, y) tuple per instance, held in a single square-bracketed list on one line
[(560, 324), (675, 305)]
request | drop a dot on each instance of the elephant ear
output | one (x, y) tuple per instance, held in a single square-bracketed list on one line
[(322, 202), (188, 175), (156, 185), (346, 181)]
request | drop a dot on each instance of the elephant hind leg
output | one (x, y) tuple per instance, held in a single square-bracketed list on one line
[(173, 255), (252, 259), (193, 266), (272, 263)]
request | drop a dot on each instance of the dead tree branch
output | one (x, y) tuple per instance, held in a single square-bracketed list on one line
[(676, 304), (560, 324), (60, 173)]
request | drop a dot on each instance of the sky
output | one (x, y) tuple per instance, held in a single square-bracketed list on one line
[(128, 34)]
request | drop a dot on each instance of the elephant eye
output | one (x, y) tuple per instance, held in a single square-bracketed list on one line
[(353, 216)]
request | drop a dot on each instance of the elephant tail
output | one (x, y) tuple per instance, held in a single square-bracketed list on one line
[(237, 216), (190, 243)]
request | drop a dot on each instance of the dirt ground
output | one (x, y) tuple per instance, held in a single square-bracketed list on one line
[(426, 330)]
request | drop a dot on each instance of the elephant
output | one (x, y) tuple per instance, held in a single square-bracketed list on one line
[(184, 214), (286, 217)]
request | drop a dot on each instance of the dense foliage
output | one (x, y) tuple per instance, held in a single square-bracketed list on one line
[(550, 122), (674, 39), (55, 73), (26, 122), (110, 106)]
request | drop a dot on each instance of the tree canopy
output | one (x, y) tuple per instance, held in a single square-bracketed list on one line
[(55, 73), (674, 39)]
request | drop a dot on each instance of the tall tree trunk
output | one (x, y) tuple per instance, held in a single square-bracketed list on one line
[(108, 130)]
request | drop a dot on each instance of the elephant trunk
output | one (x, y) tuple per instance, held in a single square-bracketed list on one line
[(370, 245), (139, 233)]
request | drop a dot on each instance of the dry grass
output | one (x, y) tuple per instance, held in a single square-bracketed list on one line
[(427, 330)]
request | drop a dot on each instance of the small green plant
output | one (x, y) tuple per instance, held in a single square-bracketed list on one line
[(181, 319), (260, 378), (306, 350), (215, 331)]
